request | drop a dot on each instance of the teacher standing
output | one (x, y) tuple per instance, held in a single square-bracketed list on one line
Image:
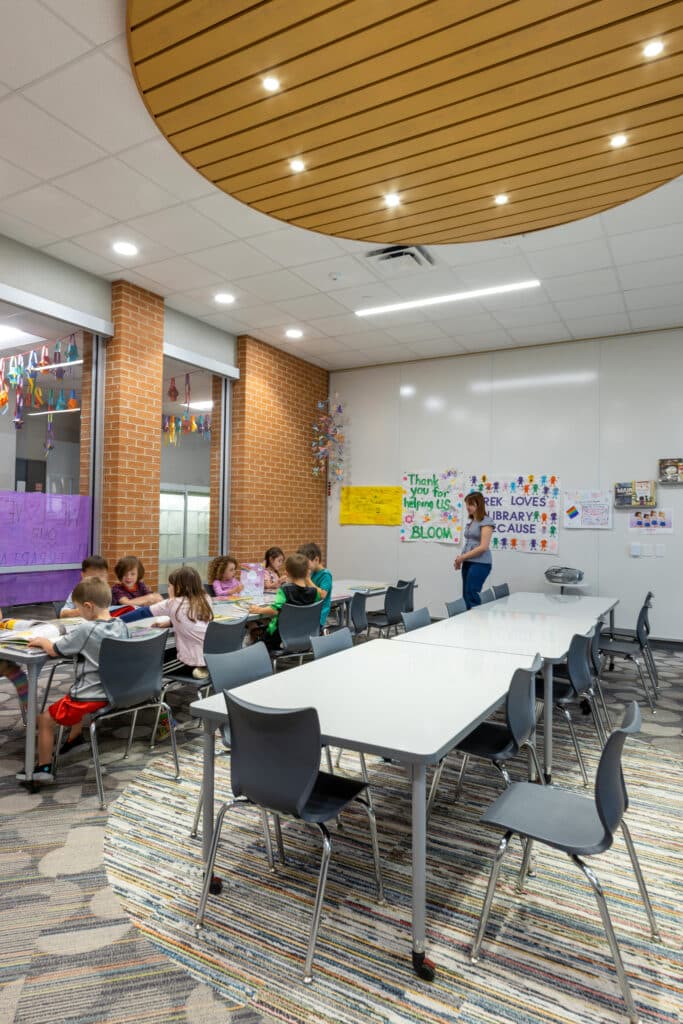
[(476, 561)]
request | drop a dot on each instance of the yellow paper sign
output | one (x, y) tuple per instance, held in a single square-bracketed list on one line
[(370, 506)]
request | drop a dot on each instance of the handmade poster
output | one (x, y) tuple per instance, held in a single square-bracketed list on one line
[(659, 520), (635, 494), (370, 506), (251, 577), (525, 510), (432, 507), (587, 510), (671, 471)]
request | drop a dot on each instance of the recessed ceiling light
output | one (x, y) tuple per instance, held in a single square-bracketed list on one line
[(125, 248), (392, 199), (10, 333), (297, 165), (223, 298), (653, 48), (438, 300), (501, 199), (202, 406), (294, 332), (617, 141), (407, 390), (271, 84)]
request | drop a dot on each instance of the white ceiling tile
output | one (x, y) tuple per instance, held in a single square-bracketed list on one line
[(592, 305), (380, 354), (33, 42), (181, 229), (486, 341), (545, 314), (227, 322), (77, 256), (158, 161), (117, 50), (51, 208), (340, 272), (570, 259), (311, 336), (667, 316), (366, 339), (656, 209), (312, 307), (466, 323), (652, 272), (656, 243), (466, 253), (117, 189), (234, 216), (576, 286), (428, 348), (488, 274), (39, 144), (406, 333), (14, 179), (100, 242), (514, 300), (294, 247), (366, 295), (99, 20), (21, 231), (345, 360), (263, 316), (235, 260), (599, 326), (139, 279), (178, 273), (426, 284), (539, 334), (653, 297), (280, 284), (188, 303), (584, 230), (110, 113), (349, 324)]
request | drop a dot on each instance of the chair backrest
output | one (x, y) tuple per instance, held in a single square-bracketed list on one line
[(579, 663), (297, 623), (520, 705), (359, 616), (236, 668), (57, 606), (208, 587), (416, 620), (223, 637), (394, 603), (501, 590), (642, 627), (596, 660), (340, 640), (131, 670), (409, 597), (456, 607), (487, 595), (611, 798), (275, 755)]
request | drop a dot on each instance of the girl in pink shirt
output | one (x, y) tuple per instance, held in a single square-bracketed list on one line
[(223, 576), (190, 613), (274, 576)]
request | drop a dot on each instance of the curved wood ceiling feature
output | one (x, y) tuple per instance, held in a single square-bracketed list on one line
[(445, 102)]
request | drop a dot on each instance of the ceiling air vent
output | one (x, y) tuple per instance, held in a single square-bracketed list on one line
[(399, 259)]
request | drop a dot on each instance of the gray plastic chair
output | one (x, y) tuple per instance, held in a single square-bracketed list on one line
[(416, 620), (131, 675), (409, 597), (297, 624), (638, 652), (275, 766), (456, 607), (487, 595), (578, 826), (357, 613), (499, 742), (332, 643), (501, 590), (390, 618), (208, 587)]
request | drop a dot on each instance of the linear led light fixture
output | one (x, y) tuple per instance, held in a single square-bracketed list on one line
[(438, 300), (53, 412), (543, 380)]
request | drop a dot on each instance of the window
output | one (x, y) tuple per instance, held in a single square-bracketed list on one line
[(184, 529)]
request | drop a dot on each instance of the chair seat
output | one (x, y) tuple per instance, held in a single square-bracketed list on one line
[(491, 740), (625, 647), (331, 793), (563, 691), (184, 675), (378, 619), (566, 821)]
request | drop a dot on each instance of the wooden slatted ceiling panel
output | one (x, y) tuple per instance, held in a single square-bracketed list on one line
[(447, 103)]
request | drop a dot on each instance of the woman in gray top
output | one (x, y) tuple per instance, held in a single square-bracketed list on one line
[(475, 561)]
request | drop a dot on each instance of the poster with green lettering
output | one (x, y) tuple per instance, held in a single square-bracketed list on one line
[(525, 510), (432, 507)]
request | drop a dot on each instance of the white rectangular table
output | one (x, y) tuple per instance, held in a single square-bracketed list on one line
[(411, 703), (32, 660)]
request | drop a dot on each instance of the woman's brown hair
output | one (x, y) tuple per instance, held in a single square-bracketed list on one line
[(187, 583), (217, 566), (477, 499)]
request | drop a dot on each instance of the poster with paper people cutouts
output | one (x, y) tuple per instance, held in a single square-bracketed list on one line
[(432, 507), (525, 510), (652, 521), (587, 510)]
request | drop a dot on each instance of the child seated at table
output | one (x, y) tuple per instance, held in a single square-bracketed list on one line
[(94, 566), (223, 576), (297, 590), (274, 575), (189, 612), (318, 577), (92, 598), (131, 589), (19, 681)]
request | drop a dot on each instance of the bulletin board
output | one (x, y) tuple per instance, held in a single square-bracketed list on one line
[(370, 506)]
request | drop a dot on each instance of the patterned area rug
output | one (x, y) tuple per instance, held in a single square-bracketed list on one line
[(544, 959)]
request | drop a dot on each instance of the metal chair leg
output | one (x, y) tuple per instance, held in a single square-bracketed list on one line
[(461, 775), (131, 733), (534, 764), (278, 838), (575, 741), (338, 758), (436, 779), (601, 696), (643, 683), (651, 667), (265, 821), (611, 938), (197, 815), (654, 930), (328, 757), (372, 821), (96, 762), (57, 747), (317, 910), (525, 870), (174, 745), (597, 717), (488, 899), (499, 766), (208, 870), (365, 776)]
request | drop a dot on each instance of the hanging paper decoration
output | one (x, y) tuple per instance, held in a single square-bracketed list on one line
[(61, 401), (57, 360), (19, 407), (4, 391), (193, 425), (32, 365), (37, 396), (44, 357), (173, 390), (72, 349), (50, 400), (328, 440), (49, 436), (72, 402), (188, 391)]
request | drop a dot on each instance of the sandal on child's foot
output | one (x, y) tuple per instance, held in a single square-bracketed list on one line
[(43, 773), (200, 673), (69, 745)]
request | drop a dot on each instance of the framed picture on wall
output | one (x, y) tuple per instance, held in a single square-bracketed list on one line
[(635, 494), (671, 471)]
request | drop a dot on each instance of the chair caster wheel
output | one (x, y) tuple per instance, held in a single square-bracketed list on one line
[(424, 968), (216, 885)]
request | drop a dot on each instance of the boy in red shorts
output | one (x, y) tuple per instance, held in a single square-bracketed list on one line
[(92, 597)]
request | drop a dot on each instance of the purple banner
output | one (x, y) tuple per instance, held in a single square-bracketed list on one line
[(35, 587)]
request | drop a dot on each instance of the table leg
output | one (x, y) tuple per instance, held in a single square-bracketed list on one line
[(208, 787), (548, 720), (423, 968), (32, 673)]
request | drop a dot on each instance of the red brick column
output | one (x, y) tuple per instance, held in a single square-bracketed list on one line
[(216, 543), (132, 412), (275, 499)]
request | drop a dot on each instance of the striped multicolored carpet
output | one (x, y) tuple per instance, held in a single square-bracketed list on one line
[(544, 960)]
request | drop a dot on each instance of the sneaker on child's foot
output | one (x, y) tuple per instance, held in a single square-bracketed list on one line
[(69, 745), (43, 773), (200, 673)]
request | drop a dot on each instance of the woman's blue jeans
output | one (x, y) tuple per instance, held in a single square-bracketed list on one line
[(474, 576)]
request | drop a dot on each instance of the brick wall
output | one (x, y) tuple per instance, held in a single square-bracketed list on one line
[(132, 409), (215, 540), (275, 499)]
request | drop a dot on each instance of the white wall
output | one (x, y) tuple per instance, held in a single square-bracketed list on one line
[(188, 463), (195, 336), (592, 433)]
